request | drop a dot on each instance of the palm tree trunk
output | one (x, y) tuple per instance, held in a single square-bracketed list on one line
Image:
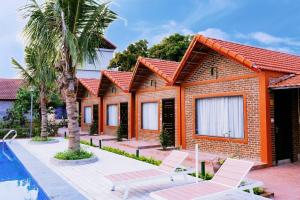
[(43, 115), (72, 111)]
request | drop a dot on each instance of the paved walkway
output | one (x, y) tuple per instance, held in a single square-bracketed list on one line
[(283, 180), (89, 179)]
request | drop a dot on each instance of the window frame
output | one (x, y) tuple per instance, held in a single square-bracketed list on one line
[(107, 115), (158, 116), (84, 119), (243, 140)]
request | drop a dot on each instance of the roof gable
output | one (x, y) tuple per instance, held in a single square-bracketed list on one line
[(91, 84), (254, 58), (163, 68), (119, 78), (9, 88)]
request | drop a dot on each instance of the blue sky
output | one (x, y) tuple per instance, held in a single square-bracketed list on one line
[(270, 24)]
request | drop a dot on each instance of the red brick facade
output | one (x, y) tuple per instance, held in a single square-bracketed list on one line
[(230, 78), (114, 96), (153, 93), (89, 101)]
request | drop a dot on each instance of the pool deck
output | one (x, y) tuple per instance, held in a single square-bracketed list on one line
[(89, 179)]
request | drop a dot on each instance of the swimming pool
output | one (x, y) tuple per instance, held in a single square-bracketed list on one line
[(15, 181)]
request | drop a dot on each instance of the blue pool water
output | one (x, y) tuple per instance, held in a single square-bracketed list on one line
[(15, 181)]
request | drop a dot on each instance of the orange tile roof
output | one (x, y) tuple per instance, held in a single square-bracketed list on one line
[(9, 88), (287, 81), (252, 57), (91, 84), (164, 68), (120, 78)]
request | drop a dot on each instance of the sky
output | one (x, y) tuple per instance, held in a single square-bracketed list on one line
[(269, 24)]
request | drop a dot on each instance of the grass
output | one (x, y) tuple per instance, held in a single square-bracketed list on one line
[(126, 154), (73, 155), (207, 176), (40, 139)]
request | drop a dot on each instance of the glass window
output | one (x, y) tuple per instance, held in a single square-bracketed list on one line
[(88, 115), (150, 116), (220, 116), (112, 115)]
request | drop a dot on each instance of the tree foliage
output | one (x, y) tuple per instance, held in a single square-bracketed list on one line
[(125, 61), (73, 30), (170, 48)]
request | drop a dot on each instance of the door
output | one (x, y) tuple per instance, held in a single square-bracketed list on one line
[(283, 124), (96, 116), (124, 119), (168, 117)]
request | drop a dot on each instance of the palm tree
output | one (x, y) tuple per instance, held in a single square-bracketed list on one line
[(74, 29), (39, 74)]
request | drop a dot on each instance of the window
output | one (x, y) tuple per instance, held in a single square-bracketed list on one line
[(220, 117), (113, 90), (152, 83), (150, 116), (112, 115), (87, 115)]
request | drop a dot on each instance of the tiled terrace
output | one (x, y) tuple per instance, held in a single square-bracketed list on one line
[(89, 179)]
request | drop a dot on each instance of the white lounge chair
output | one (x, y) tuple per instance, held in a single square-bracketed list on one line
[(167, 169), (228, 177)]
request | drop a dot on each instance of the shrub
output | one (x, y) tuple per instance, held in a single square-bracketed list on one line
[(40, 139), (133, 156), (165, 138), (94, 128), (119, 134), (73, 155), (22, 132), (207, 175)]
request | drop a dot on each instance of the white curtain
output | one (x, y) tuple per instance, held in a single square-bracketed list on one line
[(220, 116), (88, 115), (112, 115), (150, 116)]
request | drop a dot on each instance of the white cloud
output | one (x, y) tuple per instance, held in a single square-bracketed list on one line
[(268, 39), (215, 33), (157, 33)]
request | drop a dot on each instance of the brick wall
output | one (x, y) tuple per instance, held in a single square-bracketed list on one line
[(147, 93), (88, 102), (229, 78), (116, 97)]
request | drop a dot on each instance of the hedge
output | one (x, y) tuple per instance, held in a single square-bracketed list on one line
[(22, 132), (124, 153)]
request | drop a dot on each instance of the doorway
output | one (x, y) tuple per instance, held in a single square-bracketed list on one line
[(96, 116), (285, 108), (168, 117), (124, 119)]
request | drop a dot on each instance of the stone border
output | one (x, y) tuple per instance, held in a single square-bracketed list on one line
[(55, 187), (43, 142), (86, 161)]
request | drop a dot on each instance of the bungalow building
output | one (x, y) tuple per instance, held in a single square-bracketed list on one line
[(8, 93), (156, 101), (88, 102), (117, 104), (233, 100)]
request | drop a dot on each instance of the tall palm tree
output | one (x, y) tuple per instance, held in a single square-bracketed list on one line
[(39, 74), (74, 29)]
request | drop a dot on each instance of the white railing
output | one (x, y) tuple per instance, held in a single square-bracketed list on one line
[(8, 134)]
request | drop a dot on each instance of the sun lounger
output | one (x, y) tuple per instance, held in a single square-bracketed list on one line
[(167, 169), (228, 177)]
